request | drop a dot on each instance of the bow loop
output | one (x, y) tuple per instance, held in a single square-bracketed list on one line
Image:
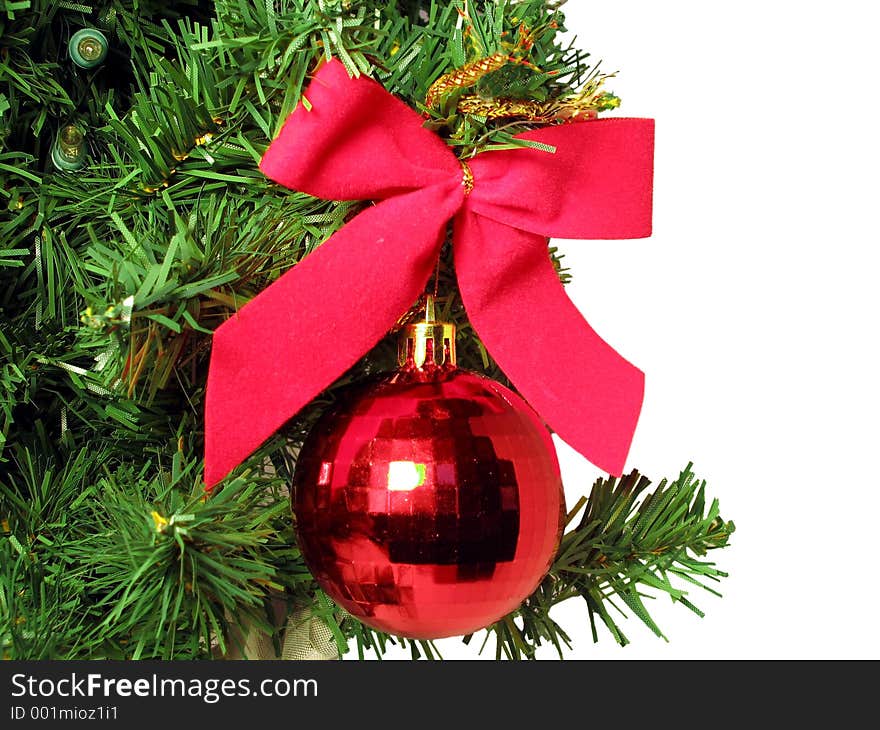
[(597, 184), (363, 144)]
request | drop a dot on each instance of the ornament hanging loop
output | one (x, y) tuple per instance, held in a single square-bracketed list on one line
[(427, 343)]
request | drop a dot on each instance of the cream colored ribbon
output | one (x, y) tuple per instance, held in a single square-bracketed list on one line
[(306, 636)]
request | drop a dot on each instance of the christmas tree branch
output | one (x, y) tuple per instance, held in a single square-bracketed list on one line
[(149, 567), (627, 540)]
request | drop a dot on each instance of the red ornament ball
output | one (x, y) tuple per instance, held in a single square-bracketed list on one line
[(429, 502)]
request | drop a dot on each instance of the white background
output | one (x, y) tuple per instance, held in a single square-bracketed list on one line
[(753, 311)]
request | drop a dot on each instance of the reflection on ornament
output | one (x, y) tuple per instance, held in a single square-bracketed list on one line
[(404, 476), (429, 501)]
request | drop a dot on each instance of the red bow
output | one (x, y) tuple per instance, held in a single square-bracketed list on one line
[(358, 142)]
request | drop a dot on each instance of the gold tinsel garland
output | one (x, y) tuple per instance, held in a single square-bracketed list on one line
[(577, 107)]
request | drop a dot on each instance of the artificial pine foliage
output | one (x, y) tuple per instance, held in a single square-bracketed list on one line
[(114, 275)]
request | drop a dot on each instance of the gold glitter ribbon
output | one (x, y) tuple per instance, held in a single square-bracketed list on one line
[(467, 177), (464, 77)]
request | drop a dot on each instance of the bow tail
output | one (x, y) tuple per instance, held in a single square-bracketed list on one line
[(293, 340), (585, 391)]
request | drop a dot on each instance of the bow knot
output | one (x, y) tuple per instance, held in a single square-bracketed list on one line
[(355, 141)]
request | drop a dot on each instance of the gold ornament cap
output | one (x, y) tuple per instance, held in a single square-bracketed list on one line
[(427, 343)]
